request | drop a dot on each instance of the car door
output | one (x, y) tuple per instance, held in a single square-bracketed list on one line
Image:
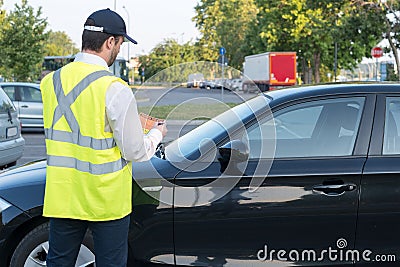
[(302, 206), (378, 230), (150, 237), (30, 106), (28, 101)]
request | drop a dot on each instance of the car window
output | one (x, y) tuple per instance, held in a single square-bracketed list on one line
[(319, 128), (30, 94), (193, 144), (391, 140), (5, 103), (10, 91)]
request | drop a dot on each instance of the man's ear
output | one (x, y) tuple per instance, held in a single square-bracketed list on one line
[(110, 42)]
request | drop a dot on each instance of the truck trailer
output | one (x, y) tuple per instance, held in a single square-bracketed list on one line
[(269, 70)]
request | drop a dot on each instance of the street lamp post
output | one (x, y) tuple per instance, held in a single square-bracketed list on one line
[(115, 5), (335, 60), (337, 16), (129, 23)]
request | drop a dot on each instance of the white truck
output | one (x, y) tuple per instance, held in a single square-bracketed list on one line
[(269, 70)]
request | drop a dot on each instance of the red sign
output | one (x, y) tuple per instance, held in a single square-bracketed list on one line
[(376, 52)]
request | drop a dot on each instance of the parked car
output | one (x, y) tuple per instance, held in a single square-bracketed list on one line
[(236, 84), (11, 141), (28, 101), (207, 85), (215, 84), (287, 174)]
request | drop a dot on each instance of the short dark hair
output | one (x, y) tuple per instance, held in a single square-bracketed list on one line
[(92, 40)]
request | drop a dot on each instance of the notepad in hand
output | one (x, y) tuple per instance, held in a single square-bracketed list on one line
[(148, 122)]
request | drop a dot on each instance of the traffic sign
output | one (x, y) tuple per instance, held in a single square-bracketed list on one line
[(222, 51), (376, 52)]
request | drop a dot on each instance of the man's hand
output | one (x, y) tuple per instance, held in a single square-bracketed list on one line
[(162, 127)]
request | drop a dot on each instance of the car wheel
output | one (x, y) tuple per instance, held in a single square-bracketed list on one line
[(33, 248)]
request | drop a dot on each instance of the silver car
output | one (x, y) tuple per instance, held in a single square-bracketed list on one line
[(28, 101), (11, 141)]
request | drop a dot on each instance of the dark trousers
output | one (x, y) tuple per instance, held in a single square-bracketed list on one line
[(110, 241)]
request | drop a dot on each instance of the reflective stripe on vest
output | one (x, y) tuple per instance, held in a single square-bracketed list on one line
[(84, 166), (75, 136)]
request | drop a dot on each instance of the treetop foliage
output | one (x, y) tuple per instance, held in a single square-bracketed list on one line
[(22, 38), (24, 41)]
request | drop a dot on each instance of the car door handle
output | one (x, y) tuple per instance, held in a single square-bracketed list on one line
[(25, 106), (152, 188), (334, 189)]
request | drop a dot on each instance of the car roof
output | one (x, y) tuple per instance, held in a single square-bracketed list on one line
[(299, 92), (20, 84)]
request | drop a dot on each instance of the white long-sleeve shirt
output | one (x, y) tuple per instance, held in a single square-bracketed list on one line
[(123, 120)]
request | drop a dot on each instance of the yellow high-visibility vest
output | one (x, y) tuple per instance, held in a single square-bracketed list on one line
[(86, 177)]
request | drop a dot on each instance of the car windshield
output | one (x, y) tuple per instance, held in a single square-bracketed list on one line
[(193, 144), (5, 103)]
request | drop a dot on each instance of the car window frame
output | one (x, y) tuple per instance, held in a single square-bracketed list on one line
[(376, 148), (8, 100), (361, 142), (361, 145), (22, 89), (13, 89)]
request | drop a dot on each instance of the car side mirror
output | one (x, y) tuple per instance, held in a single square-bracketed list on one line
[(230, 154)]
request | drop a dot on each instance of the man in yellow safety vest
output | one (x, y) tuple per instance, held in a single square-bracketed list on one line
[(93, 132)]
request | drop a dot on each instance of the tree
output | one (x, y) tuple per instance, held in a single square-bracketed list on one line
[(2, 13), (59, 44), (165, 55), (2, 16), (390, 11), (311, 28), (223, 23), (22, 43)]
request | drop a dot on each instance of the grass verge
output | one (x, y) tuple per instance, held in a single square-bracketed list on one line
[(187, 111)]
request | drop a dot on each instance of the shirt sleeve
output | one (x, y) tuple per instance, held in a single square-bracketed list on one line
[(123, 119)]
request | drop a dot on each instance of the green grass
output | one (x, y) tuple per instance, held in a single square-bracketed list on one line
[(187, 111)]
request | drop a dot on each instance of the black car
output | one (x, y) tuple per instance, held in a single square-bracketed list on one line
[(308, 176)]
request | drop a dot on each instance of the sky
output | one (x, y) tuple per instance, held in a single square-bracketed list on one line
[(150, 21)]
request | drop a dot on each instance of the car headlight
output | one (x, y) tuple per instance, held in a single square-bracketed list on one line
[(4, 205)]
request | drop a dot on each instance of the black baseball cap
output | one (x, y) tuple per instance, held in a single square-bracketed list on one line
[(108, 21)]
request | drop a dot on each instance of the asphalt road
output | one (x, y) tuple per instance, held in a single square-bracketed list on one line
[(35, 143), (34, 148), (174, 96)]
